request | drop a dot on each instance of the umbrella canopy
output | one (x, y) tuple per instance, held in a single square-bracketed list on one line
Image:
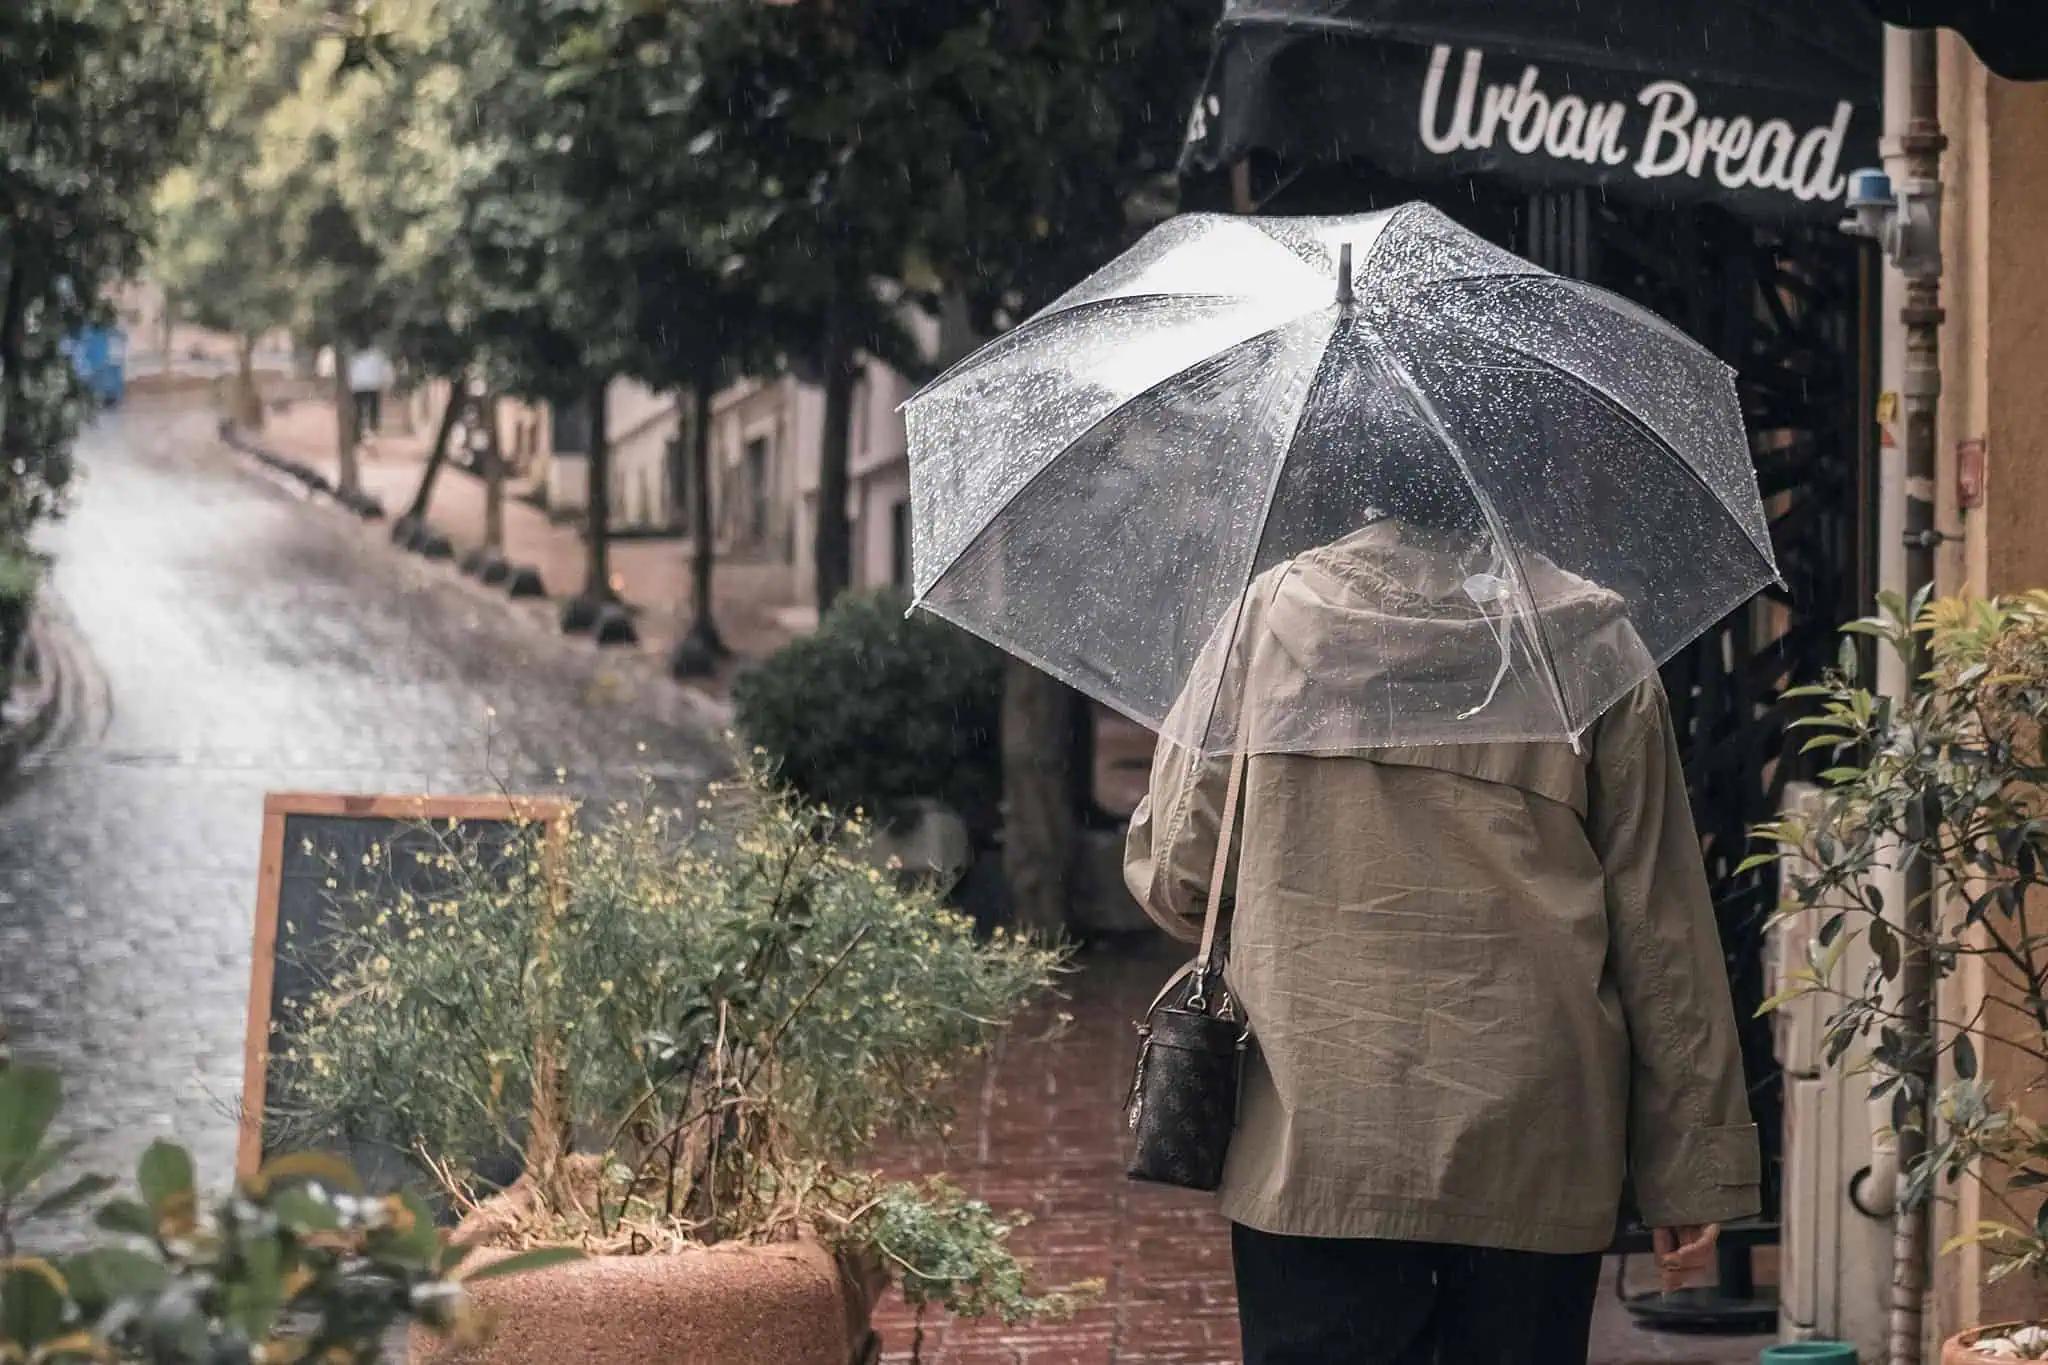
[(1426, 491), (1756, 105)]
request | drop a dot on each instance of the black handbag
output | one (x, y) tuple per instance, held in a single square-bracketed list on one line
[(1183, 1099)]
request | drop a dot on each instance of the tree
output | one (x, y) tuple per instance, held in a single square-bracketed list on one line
[(335, 274), (97, 101), (410, 164), (883, 156), (1081, 161), (834, 131), (549, 202), (694, 323)]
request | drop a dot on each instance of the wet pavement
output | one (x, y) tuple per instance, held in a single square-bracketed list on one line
[(222, 637)]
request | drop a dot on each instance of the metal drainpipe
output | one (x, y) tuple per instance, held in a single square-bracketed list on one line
[(1920, 391)]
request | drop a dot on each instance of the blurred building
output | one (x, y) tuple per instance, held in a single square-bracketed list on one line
[(766, 440)]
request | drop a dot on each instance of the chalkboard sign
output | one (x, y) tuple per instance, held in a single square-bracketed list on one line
[(317, 849)]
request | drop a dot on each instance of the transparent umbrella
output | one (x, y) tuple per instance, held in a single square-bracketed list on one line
[(1416, 489)]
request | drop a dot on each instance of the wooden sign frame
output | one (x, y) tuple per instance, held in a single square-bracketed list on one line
[(278, 807)]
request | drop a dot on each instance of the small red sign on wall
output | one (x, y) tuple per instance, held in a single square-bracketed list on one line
[(1970, 473)]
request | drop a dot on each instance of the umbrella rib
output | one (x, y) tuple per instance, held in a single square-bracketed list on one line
[(1419, 404), (1215, 359), (1250, 571), (1642, 428)]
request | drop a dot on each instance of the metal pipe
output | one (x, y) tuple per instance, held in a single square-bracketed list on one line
[(1920, 391)]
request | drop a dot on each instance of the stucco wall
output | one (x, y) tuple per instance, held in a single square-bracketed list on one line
[(1994, 387)]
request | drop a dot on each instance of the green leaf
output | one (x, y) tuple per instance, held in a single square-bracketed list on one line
[(29, 1096), (101, 1276), (525, 1261), (1966, 1057), (77, 1192), (1755, 860), (125, 1215), (1781, 999), (1886, 945), (254, 1298), (165, 1177), (302, 1211), (32, 1300)]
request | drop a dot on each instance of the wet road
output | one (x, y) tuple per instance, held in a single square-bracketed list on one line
[(223, 638)]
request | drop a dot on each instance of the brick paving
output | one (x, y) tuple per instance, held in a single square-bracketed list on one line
[(1040, 1130)]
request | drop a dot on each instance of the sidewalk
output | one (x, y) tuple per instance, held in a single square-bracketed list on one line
[(651, 574)]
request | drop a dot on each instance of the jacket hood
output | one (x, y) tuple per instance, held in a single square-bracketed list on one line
[(1390, 598), (1397, 636)]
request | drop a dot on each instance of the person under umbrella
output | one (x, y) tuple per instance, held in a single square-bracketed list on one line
[(1392, 564)]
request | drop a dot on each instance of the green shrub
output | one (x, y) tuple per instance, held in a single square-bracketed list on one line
[(1951, 776), (292, 1265), (21, 573), (876, 709), (724, 1019)]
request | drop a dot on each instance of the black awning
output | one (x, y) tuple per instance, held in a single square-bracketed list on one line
[(1755, 104), (2008, 36)]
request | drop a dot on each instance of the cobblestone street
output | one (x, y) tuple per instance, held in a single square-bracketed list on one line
[(224, 638)]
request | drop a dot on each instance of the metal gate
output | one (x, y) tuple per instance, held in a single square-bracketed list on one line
[(1789, 308)]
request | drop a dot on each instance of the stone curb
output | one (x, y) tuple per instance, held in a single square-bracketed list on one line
[(716, 712), (362, 504), (34, 712)]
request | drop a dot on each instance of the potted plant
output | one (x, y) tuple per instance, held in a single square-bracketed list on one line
[(1954, 777), (294, 1264), (691, 1037)]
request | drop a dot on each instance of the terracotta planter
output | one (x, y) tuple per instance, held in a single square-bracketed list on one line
[(790, 1303), (1961, 1349)]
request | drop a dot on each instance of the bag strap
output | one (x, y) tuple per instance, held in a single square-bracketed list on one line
[(1211, 914), (1233, 790)]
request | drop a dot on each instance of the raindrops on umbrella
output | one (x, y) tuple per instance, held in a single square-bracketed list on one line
[(1423, 490)]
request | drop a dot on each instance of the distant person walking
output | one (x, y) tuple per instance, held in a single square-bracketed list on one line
[(369, 374)]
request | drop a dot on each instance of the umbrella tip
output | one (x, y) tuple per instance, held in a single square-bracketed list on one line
[(1344, 295)]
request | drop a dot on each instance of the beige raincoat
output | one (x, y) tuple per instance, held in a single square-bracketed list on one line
[(1484, 980)]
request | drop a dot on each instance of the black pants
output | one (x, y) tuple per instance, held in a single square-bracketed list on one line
[(369, 412), (1331, 1301)]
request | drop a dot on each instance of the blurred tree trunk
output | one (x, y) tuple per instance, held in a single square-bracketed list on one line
[(833, 542), (349, 478), (494, 474), (437, 456), (13, 354), (1040, 834), (246, 408), (597, 515), (702, 637)]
